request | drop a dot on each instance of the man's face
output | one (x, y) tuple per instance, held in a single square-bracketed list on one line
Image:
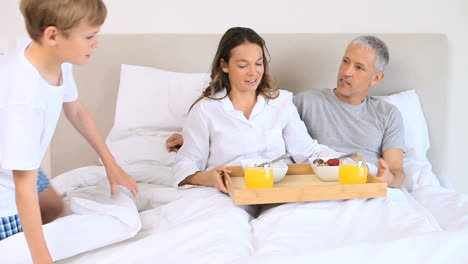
[(356, 74)]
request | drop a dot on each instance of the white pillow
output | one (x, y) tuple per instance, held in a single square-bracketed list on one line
[(149, 97), (417, 168), (151, 105), (145, 146)]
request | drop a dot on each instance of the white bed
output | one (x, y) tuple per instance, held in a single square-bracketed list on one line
[(421, 223), (200, 225)]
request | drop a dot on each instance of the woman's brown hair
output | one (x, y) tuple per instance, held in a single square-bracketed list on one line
[(220, 80)]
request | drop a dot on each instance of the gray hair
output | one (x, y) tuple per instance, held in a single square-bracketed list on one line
[(377, 45)]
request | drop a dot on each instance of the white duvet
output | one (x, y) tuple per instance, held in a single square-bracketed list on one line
[(95, 220), (201, 225)]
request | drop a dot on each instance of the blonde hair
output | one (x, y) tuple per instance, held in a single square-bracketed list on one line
[(63, 14), (234, 37)]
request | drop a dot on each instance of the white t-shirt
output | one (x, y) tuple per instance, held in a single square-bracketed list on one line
[(217, 134), (29, 111)]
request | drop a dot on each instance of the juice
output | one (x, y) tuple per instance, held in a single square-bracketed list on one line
[(349, 174), (256, 177)]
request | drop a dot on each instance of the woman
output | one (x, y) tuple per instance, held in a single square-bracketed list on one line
[(240, 115)]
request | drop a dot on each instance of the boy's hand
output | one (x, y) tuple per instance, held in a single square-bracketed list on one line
[(117, 176)]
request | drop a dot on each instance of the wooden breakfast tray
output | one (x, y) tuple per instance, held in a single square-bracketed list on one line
[(300, 184)]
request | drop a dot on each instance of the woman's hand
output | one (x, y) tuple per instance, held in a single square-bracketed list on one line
[(215, 178), (211, 178), (357, 158), (174, 142)]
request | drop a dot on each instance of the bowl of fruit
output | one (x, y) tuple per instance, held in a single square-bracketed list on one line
[(326, 168)]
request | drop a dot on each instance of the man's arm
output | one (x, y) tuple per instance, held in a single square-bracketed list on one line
[(30, 215), (391, 167), (83, 122)]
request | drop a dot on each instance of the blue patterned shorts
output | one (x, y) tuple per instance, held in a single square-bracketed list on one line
[(11, 225), (42, 181)]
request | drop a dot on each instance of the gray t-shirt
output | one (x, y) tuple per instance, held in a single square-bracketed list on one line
[(370, 128)]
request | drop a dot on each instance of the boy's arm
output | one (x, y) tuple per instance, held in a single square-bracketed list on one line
[(28, 208), (84, 123)]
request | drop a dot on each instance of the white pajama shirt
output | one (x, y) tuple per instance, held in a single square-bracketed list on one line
[(216, 134)]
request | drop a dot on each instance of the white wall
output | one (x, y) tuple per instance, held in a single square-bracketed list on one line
[(449, 17)]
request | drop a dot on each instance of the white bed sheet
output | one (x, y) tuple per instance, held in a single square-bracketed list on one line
[(93, 220), (174, 222), (201, 225), (448, 207)]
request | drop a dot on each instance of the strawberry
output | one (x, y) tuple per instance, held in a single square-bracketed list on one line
[(333, 162)]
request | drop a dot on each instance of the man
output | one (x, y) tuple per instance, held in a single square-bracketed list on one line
[(348, 120)]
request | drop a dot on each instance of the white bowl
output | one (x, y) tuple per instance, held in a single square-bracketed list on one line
[(326, 173), (279, 168)]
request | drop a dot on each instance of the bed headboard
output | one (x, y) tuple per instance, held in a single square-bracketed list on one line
[(298, 61)]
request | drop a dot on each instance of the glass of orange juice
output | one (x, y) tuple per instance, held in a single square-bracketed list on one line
[(258, 177), (351, 172)]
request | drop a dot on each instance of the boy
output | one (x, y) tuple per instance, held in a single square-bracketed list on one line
[(36, 81)]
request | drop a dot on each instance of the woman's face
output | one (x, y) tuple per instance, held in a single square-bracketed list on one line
[(245, 67)]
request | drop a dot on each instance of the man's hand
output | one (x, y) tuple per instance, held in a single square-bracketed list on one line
[(117, 176), (384, 173), (174, 142), (392, 167)]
